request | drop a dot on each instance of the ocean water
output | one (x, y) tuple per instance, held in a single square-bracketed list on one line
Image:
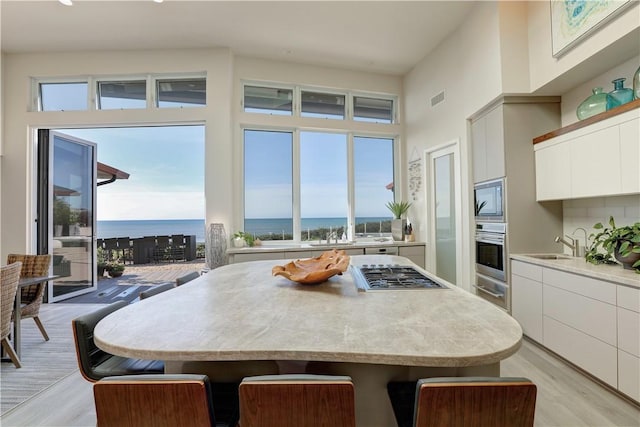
[(167, 227)]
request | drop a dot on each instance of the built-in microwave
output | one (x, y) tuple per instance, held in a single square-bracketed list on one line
[(489, 200)]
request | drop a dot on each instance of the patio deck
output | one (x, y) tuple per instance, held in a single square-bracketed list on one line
[(136, 278)]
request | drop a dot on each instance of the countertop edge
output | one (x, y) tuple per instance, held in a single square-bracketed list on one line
[(307, 247), (611, 273)]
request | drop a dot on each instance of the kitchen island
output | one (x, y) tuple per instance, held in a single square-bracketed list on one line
[(240, 312)]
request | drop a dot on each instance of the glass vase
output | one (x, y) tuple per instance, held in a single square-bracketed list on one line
[(619, 95), (636, 84), (594, 104)]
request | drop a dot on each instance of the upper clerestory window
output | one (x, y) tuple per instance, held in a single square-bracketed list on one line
[(116, 95), (268, 100), (67, 96), (322, 105), (177, 93), (374, 110)]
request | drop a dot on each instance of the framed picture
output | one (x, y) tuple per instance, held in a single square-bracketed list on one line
[(573, 20)]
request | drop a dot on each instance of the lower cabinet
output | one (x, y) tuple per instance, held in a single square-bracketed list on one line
[(415, 254), (255, 256), (592, 323)]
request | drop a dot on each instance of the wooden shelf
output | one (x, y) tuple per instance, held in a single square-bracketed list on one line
[(589, 121)]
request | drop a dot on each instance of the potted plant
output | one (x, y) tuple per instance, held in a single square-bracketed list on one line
[(623, 243), (240, 239), (398, 224), (115, 269)]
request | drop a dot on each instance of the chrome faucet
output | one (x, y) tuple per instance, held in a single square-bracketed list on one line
[(573, 245), (580, 251), (332, 235)]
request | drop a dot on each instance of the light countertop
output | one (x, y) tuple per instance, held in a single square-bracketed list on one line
[(241, 312), (610, 272), (292, 247)]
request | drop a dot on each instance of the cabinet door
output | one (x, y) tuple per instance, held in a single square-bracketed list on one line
[(414, 253), (526, 305), (553, 172), (629, 375), (629, 331), (494, 137), (256, 256), (595, 163), (479, 143), (630, 156)]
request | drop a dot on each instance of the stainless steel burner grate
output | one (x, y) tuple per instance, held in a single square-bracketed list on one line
[(385, 276)]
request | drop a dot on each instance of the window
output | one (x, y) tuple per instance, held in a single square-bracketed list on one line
[(323, 185), (181, 93), (268, 100), (66, 96), (268, 184), (373, 184), (372, 109), (323, 105), (122, 95)]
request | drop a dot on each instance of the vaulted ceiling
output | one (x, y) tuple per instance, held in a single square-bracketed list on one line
[(389, 37)]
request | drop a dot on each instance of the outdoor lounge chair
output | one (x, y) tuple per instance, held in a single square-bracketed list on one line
[(187, 278)]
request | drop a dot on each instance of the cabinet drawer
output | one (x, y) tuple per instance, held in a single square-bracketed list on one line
[(256, 256), (629, 331), (524, 269), (349, 252), (411, 251), (526, 305), (629, 298), (592, 355), (589, 316), (592, 288), (629, 375)]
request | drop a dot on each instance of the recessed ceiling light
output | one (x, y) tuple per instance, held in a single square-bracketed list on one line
[(66, 2)]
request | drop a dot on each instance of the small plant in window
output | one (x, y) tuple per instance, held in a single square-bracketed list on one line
[(398, 208)]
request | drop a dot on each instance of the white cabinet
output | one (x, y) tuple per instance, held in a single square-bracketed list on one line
[(255, 256), (553, 174), (487, 133), (629, 341), (415, 254), (526, 298), (596, 160)]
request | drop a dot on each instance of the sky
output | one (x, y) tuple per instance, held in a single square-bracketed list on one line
[(165, 167)]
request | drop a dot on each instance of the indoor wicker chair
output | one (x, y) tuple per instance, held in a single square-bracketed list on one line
[(31, 296), (9, 278)]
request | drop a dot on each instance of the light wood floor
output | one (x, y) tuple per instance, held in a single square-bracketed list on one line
[(565, 396)]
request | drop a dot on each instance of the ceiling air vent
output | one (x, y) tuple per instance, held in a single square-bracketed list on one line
[(437, 99)]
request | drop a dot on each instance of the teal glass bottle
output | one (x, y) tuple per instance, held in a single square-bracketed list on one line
[(636, 84), (594, 104), (619, 95)]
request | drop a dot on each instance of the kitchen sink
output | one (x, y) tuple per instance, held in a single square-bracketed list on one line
[(332, 244), (549, 256)]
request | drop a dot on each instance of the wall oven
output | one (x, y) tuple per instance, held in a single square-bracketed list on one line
[(491, 263), (489, 200)]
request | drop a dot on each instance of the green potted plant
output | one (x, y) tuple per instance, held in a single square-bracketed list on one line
[(398, 224), (621, 243), (115, 269), (240, 238)]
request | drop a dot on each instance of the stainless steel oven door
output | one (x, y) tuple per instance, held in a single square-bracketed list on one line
[(491, 255), (493, 291)]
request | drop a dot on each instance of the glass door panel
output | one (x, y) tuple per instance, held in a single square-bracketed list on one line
[(445, 217), (72, 207)]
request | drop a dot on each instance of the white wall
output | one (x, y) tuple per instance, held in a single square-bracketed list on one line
[(596, 54), (573, 98), (467, 67), (586, 213), (514, 39), (18, 156)]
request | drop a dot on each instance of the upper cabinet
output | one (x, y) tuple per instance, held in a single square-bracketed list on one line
[(487, 133), (600, 158)]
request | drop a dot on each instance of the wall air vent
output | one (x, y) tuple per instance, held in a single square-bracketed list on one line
[(437, 99)]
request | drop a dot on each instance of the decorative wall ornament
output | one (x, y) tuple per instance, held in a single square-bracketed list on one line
[(216, 253), (573, 21), (415, 178)]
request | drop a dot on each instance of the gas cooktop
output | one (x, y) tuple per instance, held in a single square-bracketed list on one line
[(377, 277)]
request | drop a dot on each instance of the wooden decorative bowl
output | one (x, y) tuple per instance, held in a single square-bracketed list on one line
[(314, 270)]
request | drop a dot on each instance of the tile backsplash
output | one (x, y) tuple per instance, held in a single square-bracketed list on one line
[(587, 212)]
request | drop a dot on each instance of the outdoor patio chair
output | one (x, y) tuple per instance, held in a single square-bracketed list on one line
[(111, 249), (162, 251), (297, 401), (155, 290), (31, 296), (124, 246), (187, 278), (154, 400), (177, 247), (464, 401), (9, 278), (95, 363)]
